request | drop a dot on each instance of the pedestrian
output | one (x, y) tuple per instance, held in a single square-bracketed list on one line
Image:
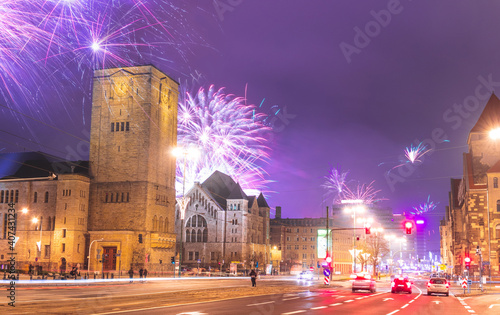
[(140, 273), (131, 274), (145, 273), (253, 277)]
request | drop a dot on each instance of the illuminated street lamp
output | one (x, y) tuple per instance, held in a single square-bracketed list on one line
[(357, 206), (183, 201)]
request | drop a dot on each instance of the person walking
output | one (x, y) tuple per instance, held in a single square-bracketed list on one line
[(140, 273), (131, 274), (253, 277), (145, 273)]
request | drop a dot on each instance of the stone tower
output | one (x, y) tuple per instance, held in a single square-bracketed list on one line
[(132, 170)]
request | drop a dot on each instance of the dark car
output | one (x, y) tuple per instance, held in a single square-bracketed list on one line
[(401, 284)]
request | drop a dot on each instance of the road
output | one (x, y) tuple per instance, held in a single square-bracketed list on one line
[(231, 296)]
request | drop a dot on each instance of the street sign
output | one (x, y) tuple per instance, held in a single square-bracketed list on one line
[(118, 255), (464, 283), (469, 282), (327, 280), (98, 256), (486, 263), (326, 272), (199, 260), (99, 250)]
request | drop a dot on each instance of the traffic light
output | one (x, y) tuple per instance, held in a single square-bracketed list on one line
[(172, 260), (408, 226), (140, 238), (467, 262), (368, 229)]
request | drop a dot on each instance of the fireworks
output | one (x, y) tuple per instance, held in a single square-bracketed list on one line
[(336, 185), (228, 134), (413, 154), (425, 207), (60, 42)]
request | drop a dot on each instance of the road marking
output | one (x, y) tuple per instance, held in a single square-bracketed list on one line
[(295, 312), (437, 302), (348, 301), (406, 305), (387, 299), (471, 311), (491, 306), (411, 301), (260, 303), (393, 312), (336, 304), (360, 298), (340, 296), (466, 306), (318, 308), (291, 298)]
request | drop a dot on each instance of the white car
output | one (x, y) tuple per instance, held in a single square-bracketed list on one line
[(364, 282), (438, 285), (306, 275)]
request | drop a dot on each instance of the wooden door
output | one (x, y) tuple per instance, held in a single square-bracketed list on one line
[(109, 256)]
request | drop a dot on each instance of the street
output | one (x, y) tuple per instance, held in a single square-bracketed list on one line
[(235, 296)]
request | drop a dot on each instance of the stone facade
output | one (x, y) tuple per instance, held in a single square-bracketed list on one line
[(120, 205), (223, 225), (474, 219)]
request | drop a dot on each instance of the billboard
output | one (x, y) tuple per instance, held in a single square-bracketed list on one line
[(322, 243)]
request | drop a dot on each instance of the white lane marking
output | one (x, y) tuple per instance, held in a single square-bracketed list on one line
[(340, 296), (406, 305), (295, 312), (291, 298), (466, 306), (290, 294), (437, 302), (260, 303), (336, 304), (471, 311), (387, 299), (491, 306), (318, 308), (393, 312), (360, 298), (411, 301), (348, 301)]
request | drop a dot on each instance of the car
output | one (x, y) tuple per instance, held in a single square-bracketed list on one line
[(306, 275), (401, 284), (364, 282), (438, 285)]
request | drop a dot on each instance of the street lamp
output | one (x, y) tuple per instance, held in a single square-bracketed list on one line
[(352, 210), (183, 201), (90, 253)]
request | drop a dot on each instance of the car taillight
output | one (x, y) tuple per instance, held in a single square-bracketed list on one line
[(428, 284), (408, 284), (447, 284)]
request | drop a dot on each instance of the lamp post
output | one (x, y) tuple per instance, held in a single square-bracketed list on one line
[(183, 201), (358, 207), (90, 247)]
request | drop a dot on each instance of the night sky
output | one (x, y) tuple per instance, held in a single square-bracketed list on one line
[(358, 108)]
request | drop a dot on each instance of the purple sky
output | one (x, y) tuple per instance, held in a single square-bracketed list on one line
[(356, 114)]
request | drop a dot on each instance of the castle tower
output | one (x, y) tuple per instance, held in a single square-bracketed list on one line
[(132, 170)]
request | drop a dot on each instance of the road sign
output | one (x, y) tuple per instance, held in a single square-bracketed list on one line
[(464, 283), (486, 263), (327, 280), (469, 282), (98, 256), (326, 272), (311, 268)]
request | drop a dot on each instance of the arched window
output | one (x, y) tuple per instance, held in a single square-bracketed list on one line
[(497, 230), (165, 227), (155, 223), (193, 236), (205, 235), (495, 182), (160, 227), (46, 196), (188, 224), (498, 205), (188, 236), (199, 236)]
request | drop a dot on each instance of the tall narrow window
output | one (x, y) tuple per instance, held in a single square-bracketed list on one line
[(11, 196), (123, 195), (64, 233), (1, 196), (188, 236), (498, 205), (46, 197), (107, 196), (17, 196), (495, 182), (497, 231), (123, 126), (63, 248), (6, 196), (160, 227), (112, 127), (127, 126), (35, 197), (117, 197), (49, 226), (112, 197)]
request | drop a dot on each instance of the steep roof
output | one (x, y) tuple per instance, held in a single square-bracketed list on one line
[(261, 201), (495, 168), (237, 193), (490, 117), (37, 165)]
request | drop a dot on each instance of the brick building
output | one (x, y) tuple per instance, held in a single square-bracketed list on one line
[(122, 201), (223, 225), (473, 216)]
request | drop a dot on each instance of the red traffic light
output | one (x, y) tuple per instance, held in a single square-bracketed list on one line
[(367, 230), (408, 226), (467, 260)]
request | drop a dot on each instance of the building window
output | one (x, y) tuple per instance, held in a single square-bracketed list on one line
[(497, 230), (64, 233), (288, 238), (12, 196), (6, 196), (106, 199), (188, 236), (190, 256), (112, 197), (127, 197), (212, 255), (296, 246), (35, 197), (78, 248), (46, 197), (123, 126), (63, 248), (47, 251), (197, 255), (288, 246), (304, 247), (498, 205), (127, 126), (495, 182), (17, 196), (2, 194), (112, 127), (304, 256)]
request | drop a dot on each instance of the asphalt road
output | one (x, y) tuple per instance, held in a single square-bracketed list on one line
[(219, 296)]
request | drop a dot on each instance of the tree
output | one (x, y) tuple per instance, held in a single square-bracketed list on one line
[(377, 246)]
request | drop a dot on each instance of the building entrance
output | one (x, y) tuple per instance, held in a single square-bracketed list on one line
[(109, 258)]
